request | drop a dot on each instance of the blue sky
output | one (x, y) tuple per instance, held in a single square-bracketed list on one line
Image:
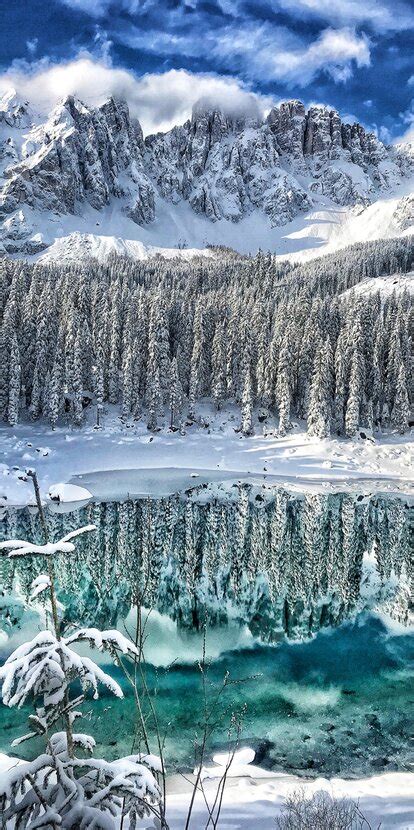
[(356, 55)]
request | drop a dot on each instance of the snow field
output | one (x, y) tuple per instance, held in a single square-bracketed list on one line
[(125, 458)]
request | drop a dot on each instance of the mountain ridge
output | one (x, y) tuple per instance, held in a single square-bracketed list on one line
[(226, 169)]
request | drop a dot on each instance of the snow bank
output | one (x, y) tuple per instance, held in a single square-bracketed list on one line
[(68, 493), (250, 802), (78, 246), (386, 285)]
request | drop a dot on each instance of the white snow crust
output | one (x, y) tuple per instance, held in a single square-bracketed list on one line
[(124, 459), (253, 797)]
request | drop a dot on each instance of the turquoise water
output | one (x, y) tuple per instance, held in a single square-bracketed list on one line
[(325, 684), (340, 704)]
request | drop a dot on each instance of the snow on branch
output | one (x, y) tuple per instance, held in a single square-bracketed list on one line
[(111, 640), (59, 745), (44, 667), (95, 798), (19, 547), (40, 584)]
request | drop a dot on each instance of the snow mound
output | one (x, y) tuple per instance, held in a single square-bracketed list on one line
[(68, 493), (243, 756), (386, 285), (87, 245), (237, 765)]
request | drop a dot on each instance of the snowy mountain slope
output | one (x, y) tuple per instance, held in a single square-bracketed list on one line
[(320, 231), (298, 182), (386, 285), (78, 246)]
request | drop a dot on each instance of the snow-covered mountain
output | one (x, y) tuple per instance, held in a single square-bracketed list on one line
[(294, 182)]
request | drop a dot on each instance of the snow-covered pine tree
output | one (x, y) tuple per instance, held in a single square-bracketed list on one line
[(176, 394), (353, 407), (377, 374), (306, 362), (196, 363), (99, 381), (320, 399), (127, 381), (340, 384), (14, 382), (218, 366), (283, 395), (283, 389), (114, 349), (55, 391), (36, 395), (401, 408), (4, 374), (77, 385), (155, 402), (247, 405)]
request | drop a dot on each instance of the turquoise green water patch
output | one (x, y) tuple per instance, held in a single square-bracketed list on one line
[(340, 704)]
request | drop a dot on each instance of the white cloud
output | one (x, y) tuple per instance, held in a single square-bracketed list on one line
[(95, 8), (381, 15), (262, 51), (287, 59), (32, 45), (99, 8), (158, 100), (407, 117)]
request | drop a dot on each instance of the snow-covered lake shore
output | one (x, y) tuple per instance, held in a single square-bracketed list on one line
[(254, 798), (216, 452)]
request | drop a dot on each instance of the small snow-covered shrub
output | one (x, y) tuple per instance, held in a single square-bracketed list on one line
[(320, 812)]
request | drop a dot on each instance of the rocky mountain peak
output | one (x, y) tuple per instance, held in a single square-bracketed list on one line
[(225, 163), (14, 111), (221, 119)]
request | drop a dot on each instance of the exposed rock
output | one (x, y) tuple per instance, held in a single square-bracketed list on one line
[(78, 155), (404, 213)]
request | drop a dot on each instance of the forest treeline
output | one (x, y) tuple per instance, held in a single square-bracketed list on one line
[(157, 337)]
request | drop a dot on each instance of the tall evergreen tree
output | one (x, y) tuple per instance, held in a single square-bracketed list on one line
[(14, 382), (320, 400), (247, 405), (176, 394), (127, 381), (218, 379), (155, 402), (353, 407), (55, 391), (401, 408), (77, 387), (283, 388)]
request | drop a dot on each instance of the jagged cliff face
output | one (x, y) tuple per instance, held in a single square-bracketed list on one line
[(78, 155), (224, 168)]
